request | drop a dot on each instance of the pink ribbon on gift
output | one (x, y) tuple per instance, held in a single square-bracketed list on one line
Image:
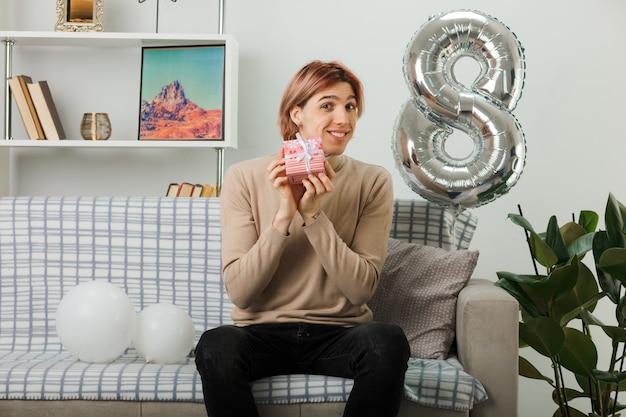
[(308, 151)]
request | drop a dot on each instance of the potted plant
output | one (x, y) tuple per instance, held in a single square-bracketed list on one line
[(557, 307)]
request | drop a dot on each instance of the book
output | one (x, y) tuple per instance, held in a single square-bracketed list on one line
[(197, 190), (172, 190), (207, 191), (185, 189), (26, 107), (46, 110)]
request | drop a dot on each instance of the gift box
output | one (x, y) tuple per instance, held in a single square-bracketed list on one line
[(303, 157)]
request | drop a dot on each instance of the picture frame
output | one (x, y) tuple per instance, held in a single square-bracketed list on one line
[(79, 16), (182, 92)]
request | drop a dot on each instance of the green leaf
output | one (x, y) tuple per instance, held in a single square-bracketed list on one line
[(610, 285), (606, 389), (584, 381), (613, 262), (578, 354), (525, 279), (581, 246), (578, 312), (547, 252), (521, 221), (544, 335), (589, 318), (587, 384), (555, 240), (614, 221), (571, 231), (584, 294), (571, 412), (570, 394), (609, 377), (528, 370), (588, 220), (617, 334), (558, 283), (515, 289), (620, 312), (542, 252)]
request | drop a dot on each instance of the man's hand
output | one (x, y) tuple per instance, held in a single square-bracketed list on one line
[(315, 186)]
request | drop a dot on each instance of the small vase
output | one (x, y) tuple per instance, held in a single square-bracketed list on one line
[(95, 126)]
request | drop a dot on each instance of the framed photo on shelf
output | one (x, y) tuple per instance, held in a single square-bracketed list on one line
[(79, 16), (182, 93)]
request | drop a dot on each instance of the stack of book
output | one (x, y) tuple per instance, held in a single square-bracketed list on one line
[(187, 189), (37, 109)]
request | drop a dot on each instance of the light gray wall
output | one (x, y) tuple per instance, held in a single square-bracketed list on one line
[(571, 109)]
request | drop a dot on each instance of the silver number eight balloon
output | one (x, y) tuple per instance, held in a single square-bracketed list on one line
[(440, 103)]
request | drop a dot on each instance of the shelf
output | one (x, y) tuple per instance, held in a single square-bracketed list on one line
[(137, 144), (118, 40), (110, 39), (73, 45)]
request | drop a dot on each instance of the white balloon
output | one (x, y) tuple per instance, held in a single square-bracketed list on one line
[(96, 321), (165, 333)]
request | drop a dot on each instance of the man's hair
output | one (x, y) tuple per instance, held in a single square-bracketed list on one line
[(312, 78)]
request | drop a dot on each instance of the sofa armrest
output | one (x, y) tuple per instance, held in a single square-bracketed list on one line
[(487, 343)]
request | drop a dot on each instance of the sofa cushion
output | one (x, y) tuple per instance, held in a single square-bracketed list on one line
[(59, 376), (418, 290), (158, 250)]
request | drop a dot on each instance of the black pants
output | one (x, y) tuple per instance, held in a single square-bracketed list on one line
[(375, 355)]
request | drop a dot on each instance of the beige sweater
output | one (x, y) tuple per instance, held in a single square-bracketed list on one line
[(321, 273)]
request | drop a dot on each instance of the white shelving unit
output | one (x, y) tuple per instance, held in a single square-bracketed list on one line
[(66, 42)]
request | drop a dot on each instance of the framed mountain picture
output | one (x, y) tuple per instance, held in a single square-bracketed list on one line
[(182, 93)]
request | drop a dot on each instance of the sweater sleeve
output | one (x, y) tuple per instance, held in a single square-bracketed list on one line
[(250, 254), (355, 266)]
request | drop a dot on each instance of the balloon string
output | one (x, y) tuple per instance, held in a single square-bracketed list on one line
[(454, 245), (454, 212)]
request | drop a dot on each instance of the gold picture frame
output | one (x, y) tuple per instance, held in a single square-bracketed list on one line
[(79, 16)]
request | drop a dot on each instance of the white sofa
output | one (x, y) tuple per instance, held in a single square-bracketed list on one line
[(168, 250)]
